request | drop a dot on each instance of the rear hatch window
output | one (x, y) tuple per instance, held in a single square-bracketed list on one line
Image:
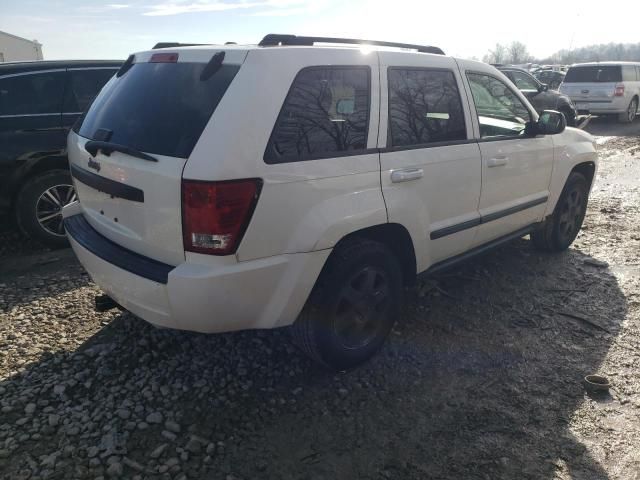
[(594, 74), (159, 108)]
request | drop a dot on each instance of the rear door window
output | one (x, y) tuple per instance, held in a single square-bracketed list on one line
[(594, 74), (325, 115), (424, 107), (158, 108), (83, 86), (628, 74), (32, 94)]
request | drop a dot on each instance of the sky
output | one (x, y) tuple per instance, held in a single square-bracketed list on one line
[(112, 29)]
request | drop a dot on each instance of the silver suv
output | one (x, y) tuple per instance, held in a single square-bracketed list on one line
[(605, 88)]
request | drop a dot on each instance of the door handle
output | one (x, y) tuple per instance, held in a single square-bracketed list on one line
[(406, 175), (496, 162)]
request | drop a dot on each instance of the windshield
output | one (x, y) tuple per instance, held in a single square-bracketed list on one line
[(594, 74), (159, 108)]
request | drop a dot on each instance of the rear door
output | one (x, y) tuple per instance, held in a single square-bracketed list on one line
[(82, 86), (516, 167), (150, 117), (430, 164)]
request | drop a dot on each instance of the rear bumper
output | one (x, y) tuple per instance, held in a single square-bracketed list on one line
[(617, 105), (264, 293)]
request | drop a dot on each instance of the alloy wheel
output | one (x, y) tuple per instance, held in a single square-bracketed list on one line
[(572, 213), (49, 208), (632, 110), (363, 304)]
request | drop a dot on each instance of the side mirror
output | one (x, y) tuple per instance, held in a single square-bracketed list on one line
[(551, 123), (543, 88)]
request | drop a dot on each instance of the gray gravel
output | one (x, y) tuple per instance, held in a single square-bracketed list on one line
[(481, 379), (14, 243)]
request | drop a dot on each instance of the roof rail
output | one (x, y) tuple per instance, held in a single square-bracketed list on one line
[(274, 40), (175, 44)]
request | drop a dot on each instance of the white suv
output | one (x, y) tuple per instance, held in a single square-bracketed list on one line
[(241, 187)]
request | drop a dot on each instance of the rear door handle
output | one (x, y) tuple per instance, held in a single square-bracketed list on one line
[(496, 162), (406, 175)]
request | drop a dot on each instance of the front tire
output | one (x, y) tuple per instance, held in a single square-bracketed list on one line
[(630, 115), (569, 116), (353, 306), (561, 228), (39, 207)]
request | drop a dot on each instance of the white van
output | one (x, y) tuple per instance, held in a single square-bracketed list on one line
[(239, 187), (605, 88)]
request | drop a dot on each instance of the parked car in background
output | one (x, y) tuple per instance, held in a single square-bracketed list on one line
[(39, 102), (215, 209), (553, 78), (605, 88), (539, 94)]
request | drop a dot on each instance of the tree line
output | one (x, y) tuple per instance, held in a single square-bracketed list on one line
[(517, 52)]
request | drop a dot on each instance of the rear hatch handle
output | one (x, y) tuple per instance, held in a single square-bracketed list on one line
[(92, 146)]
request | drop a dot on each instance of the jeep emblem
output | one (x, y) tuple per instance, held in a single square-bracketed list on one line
[(93, 164)]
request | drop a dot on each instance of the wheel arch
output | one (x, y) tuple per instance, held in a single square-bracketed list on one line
[(396, 238), (587, 169), (32, 168)]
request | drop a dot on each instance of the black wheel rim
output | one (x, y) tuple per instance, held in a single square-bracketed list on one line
[(633, 108), (362, 307), (49, 208), (572, 214)]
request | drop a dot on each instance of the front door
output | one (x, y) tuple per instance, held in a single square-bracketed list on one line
[(516, 167)]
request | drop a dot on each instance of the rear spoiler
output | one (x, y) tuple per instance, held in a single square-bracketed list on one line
[(176, 44)]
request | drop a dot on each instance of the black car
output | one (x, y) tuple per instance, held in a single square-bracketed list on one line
[(553, 78), (539, 94), (39, 103)]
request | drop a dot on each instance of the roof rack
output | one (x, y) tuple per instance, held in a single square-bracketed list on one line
[(175, 44), (274, 40)]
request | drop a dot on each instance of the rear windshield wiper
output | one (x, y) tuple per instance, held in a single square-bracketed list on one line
[(92, 146)]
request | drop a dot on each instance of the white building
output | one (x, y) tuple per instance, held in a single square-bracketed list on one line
[(17, 49)]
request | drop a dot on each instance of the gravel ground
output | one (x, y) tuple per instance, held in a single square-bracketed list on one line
[(14, 243), (481, 379)]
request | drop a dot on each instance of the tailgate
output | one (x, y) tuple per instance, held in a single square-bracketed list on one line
[(133, 202), (128, 152), (589, 92), (592, 83)]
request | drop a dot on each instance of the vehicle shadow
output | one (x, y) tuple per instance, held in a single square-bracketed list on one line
[(608, 126), (479, 380), (22, 277), (13, 243)]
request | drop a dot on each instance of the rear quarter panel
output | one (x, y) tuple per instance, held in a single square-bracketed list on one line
[(303, 206)]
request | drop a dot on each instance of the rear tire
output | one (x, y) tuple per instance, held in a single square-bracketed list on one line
[(353, 306), (39, 205), (630, 115), (560, 229)]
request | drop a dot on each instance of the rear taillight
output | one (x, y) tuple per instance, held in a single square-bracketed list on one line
[(215, 215), (619, 92)]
